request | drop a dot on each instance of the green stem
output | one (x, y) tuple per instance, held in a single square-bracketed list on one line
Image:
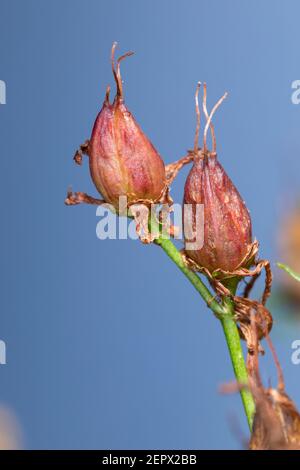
[(224, 312), (237, 358), (176, 257)]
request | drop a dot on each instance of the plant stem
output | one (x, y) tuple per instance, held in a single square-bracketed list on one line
[(237, 358), (224, 312), (176, 257)]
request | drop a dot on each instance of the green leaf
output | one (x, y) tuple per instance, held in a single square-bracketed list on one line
[(290, 271)]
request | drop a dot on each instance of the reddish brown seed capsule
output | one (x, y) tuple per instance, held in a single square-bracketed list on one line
[(123, 161), (227, 223)]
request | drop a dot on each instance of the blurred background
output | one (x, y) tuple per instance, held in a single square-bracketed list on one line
[(108, 345)]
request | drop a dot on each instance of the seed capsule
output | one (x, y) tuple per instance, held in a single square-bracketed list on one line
[(123, 161), (227, 223)]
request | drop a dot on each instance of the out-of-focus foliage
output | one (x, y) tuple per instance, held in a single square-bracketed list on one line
[(10, 433), (289, 270), (289, 252)]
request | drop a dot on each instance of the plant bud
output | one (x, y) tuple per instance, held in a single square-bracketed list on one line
[(123, 161), (227, 223)]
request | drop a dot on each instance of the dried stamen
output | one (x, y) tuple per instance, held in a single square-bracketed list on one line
[(212, 129), (209, 119), (196, 141), (117, 71)]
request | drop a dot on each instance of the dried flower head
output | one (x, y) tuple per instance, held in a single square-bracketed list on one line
[(123, 162), (227, 223)]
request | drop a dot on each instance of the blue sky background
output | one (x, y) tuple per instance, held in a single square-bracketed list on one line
[(108, 346)]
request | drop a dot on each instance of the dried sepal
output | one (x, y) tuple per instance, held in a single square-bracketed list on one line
[(83, 150), (73, 199)]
